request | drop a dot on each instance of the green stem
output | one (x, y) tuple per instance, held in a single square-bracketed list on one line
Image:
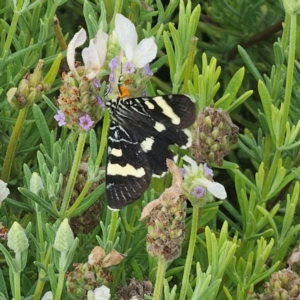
[(289, 78), (61, 275), (73, 174), (130, 228), (160, 276), (40, 234), (17, 281), (190, 254), (11, 149), (41, 282), (60, 285), (113, 226), (12, 27), (97, 163)]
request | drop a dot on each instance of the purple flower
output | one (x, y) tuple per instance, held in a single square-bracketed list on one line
[(144, 93), (100, 101), (108, 89), (182, 171), (198, 192), (60, 118), (111, 77), (147, 70), (208, 170), (114, 63), (86, 122), (128, 68), (96, 83)]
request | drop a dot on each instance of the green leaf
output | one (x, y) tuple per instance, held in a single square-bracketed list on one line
[(232, 89), (89, 200), (42, 127), (3, 289), (31, 196), (247, 60), (90, 19)]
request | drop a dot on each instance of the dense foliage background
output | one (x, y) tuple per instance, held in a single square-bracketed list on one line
[(240, 56)]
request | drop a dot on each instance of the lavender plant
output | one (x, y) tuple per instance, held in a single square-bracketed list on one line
[(59, 238)]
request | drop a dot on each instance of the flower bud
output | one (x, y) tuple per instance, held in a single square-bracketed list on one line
[(30, 89), (36, 183), (17, 239), (64, 238)]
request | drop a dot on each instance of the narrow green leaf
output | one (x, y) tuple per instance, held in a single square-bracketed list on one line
[(239, 100), (90, 19), (31, 196), (42, 127), (247, 60), (232, 88)]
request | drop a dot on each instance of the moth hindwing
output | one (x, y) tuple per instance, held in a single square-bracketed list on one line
[(140, 133)]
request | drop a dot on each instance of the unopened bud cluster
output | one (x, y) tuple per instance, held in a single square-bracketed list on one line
[(84, 278), (78, 101), (284, 285), (92, 275), (136, 289), (213, 133), (30, 89), (166, 229)]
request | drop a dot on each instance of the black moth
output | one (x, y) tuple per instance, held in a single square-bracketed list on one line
[(140, 132)]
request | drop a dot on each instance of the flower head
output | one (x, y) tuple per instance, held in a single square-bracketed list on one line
[(60, 118), (199, 186), (139, 54), (86, 122)]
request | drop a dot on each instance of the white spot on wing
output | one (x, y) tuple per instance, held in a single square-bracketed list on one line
[(128, 170), (147, 144), (116, 152), (167, 110), (159, 126), (149, 105), (190, 139)]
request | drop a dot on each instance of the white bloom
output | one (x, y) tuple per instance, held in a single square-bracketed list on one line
[(4, 191), (139, 54), (217, 189), (193, 164), (102, 293), (48, 296), (93, 56)]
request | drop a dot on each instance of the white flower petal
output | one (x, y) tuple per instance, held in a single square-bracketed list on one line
[(193, 164), (91, 61), (126, 34), (4, 191), (100, 42), (78, 40), (94, 55), (48, 296), (145, 52), (102, 293), (217, 189)]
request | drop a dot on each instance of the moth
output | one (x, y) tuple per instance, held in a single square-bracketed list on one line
[(140, 133)]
